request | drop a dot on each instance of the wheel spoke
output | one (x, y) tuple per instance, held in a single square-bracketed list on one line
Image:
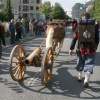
[(16, 72), (50, 57), (19, 73), (18, 58), (15, 68)]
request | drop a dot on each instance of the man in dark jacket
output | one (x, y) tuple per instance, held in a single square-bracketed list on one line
[(86, 49), (12, 31), (18, 30)]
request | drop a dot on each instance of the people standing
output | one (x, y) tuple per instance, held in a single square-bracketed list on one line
[(74, 25), (23, 24), (18, 30), (36, 27), (86, 48), (31, 27), (2, 38), (26, 26), (12, 31), (39, 27)]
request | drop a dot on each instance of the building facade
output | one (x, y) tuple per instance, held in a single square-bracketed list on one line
[(77, 9), (23, 8)]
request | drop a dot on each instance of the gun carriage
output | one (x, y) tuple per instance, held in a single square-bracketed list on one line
[(19, 59)]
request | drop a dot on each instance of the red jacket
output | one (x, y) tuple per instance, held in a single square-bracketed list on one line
[(2, 28)]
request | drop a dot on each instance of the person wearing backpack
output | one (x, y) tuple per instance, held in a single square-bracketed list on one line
[(87, 35)]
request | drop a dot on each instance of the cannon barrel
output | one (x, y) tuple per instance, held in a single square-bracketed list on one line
[(29, 60)]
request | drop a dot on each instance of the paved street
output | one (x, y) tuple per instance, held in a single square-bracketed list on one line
[(63, 84)]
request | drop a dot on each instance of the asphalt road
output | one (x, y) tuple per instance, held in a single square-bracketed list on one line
[(63, 84)]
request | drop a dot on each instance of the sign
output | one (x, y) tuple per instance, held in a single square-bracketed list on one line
[(15, 16), (15, 12)]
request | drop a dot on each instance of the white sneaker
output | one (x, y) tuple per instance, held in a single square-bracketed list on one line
[(86, 80), (80, 76)]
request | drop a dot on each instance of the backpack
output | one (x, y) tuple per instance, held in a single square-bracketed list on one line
[(86, 30)]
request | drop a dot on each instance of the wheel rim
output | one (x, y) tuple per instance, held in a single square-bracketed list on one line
[(17, 70), (47, 61)]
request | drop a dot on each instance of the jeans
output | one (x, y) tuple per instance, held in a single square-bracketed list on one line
[(23, 32), (85, 62)]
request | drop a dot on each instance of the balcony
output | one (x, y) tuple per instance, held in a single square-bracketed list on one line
[(25, 2), (25, 10)]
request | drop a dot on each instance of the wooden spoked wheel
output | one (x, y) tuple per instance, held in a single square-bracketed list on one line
[(47, 66), (58, 47), (17, 69)]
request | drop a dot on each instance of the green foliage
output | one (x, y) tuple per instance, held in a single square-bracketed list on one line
[(91, 11), (67, 17), (45, 8), (58, 12), (2, 16), (81, 14), (97, 10), (8, 10)]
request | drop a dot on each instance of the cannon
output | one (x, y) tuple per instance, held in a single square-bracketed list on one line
[(19, 59)]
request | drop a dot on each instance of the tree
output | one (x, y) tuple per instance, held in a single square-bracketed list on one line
[(45, 8), (81, 14), (8, 10), (2, 16), (91, 11), (97, 10), (58, 12)]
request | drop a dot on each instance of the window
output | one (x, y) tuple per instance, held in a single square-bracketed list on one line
[(31, 7), (37, 1), (25, 8), (37, 8), (31, 1), (25, 15), (19, 1), (31, 15), (25, 1)]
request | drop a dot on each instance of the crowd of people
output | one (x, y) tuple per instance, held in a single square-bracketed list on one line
[(18, 29)]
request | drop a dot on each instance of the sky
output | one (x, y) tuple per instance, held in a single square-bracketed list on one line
[(67, 4)]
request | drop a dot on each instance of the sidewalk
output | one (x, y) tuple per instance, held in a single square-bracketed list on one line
[(21, 40)]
